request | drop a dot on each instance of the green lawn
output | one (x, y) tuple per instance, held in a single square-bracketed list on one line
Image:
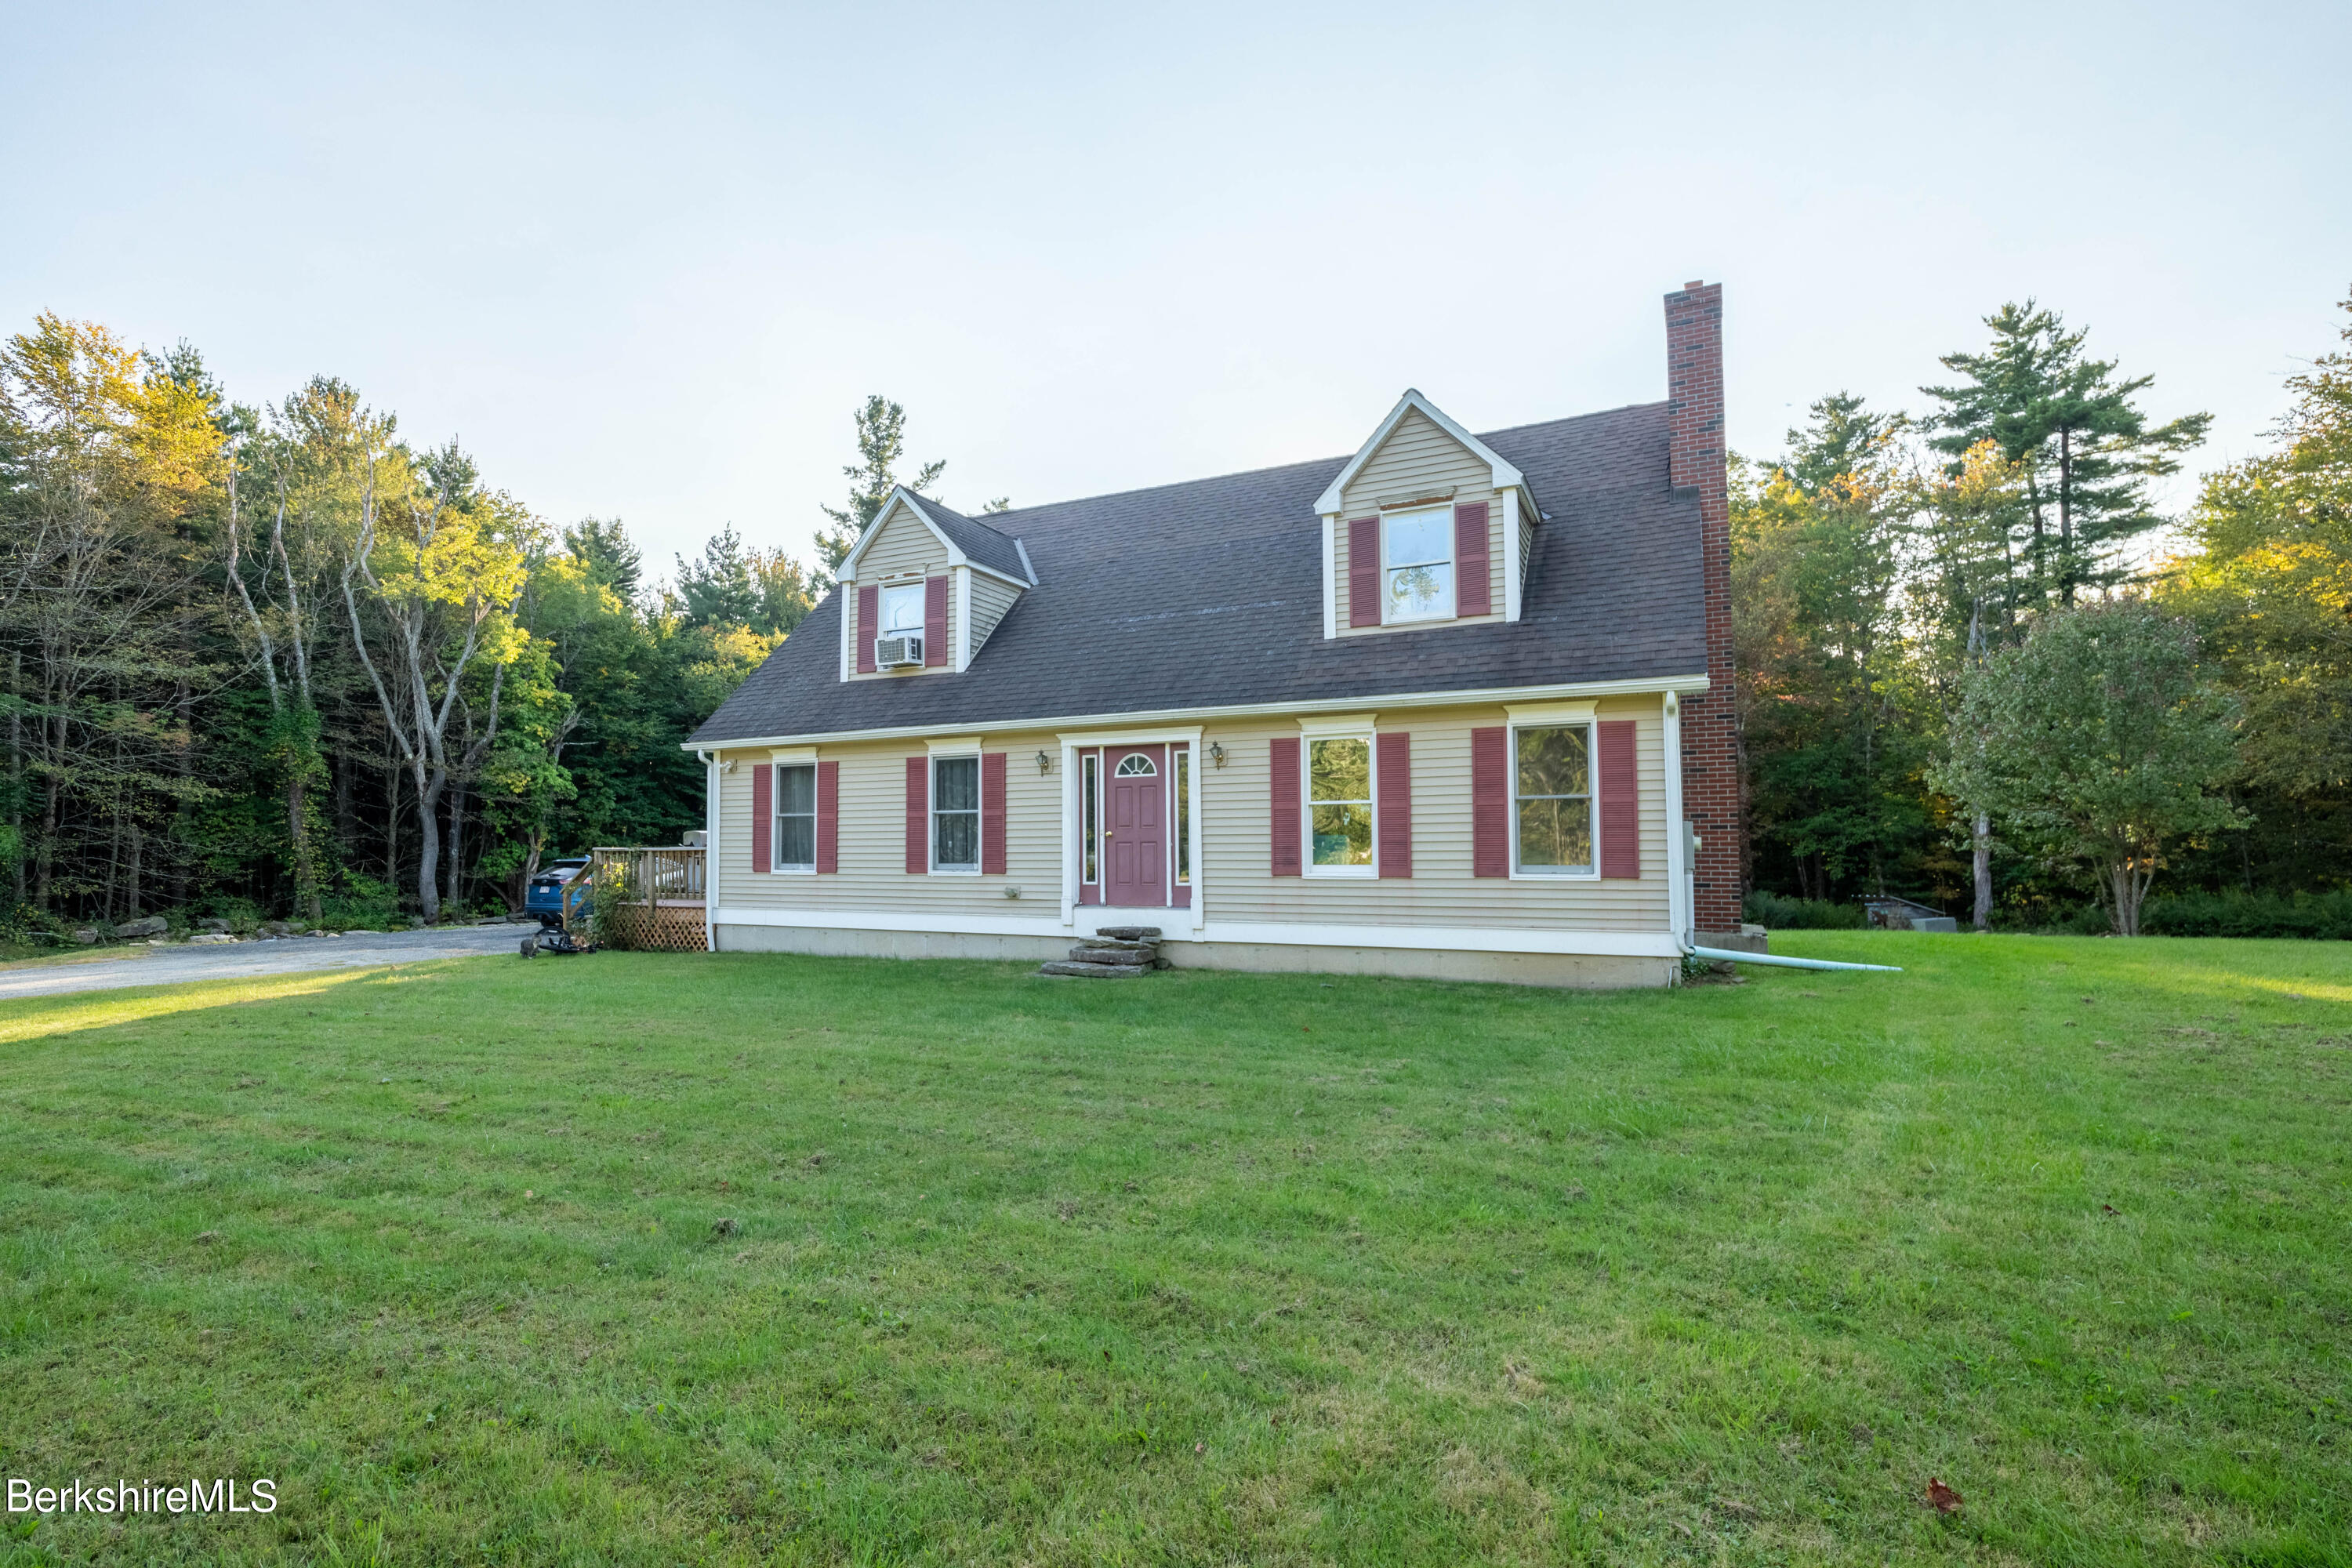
[(1200, 1268)]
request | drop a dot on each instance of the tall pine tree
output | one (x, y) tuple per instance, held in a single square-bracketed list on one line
[(2085, 448), (881, 443)]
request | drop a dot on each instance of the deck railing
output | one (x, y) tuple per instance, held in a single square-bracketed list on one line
[(650, 897)]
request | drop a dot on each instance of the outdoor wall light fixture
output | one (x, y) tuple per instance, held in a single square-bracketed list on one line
[(1044, 763), (1216, 753)]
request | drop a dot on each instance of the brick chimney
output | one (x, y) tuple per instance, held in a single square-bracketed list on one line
[(1714, 792)]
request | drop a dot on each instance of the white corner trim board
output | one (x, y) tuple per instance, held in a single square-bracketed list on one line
[(1455, 939)]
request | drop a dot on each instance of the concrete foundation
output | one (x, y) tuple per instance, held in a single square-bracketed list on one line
[(837, 944), (1573, 971)]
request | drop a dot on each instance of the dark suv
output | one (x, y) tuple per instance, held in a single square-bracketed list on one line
[(545, 897)]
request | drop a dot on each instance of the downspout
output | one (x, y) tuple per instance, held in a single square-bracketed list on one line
[(709, 850), (1724, 955)]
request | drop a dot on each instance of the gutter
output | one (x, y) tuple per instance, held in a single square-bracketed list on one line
[(1643, 686)]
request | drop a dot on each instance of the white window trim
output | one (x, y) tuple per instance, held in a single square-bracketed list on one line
[(1319, 724), (790, 758), (1306, 865), (940, 754), (1524, 718), (1445, 513)]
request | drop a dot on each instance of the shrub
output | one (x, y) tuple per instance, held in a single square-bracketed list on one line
[(1774, 912), (360, 901), (2322, 916)]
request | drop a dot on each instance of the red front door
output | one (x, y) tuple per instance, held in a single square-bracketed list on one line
[(1135, 841)]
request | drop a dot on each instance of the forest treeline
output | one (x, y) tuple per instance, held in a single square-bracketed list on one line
[(281, 661), (1979, 668)]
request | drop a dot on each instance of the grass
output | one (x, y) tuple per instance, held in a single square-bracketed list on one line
[(1197, 1269)]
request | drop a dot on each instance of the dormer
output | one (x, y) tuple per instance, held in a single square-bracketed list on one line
[(924, 589), (1426, 526)]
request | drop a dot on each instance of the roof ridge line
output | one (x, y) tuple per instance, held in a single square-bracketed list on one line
[(1310, 462)]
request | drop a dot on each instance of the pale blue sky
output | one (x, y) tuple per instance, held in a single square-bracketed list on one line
[(644, 260)]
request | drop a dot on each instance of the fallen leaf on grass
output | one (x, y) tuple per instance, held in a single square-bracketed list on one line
[(2111, 1208), (1940, 1498)]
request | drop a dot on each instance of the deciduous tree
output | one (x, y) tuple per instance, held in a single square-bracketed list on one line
[(2101, 739)]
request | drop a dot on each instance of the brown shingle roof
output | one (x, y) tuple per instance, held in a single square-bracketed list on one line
[(1209, 594)]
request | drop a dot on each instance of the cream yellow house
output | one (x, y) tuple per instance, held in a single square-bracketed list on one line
[(1455, 705)]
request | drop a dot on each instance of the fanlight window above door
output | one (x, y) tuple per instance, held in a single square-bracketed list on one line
[(1135, 765)]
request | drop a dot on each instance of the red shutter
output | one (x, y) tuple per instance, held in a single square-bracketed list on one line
[(1364, 572), (1473, 578), (935, 620), (992, 814), (828, 816), (1620, 802), (763, 817), (870, 616), (1284, 754), (1490, 803), (1393, 808), (918, 815)]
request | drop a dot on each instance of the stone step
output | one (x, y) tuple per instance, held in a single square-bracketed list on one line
[(1113, 955), (1095, 971), (1131, 934), (1114, 944)]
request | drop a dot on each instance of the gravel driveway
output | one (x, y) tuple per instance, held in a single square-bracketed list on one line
[(170, 965)]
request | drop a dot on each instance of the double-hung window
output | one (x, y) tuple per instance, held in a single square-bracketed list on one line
[(1552, 801), (1417, 565), (902, 609), (1340, 804), (796, 817), (955, 813)]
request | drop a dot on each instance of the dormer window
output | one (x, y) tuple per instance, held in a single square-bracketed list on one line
[(1425, 526), (1417, 561)]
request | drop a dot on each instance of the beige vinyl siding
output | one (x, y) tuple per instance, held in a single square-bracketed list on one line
[(990, 599), (1235, 877), (1419, 459), (903, 545), (1238, 882), (872, 839)]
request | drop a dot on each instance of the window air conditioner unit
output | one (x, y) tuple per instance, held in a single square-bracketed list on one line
[(901, 649)]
